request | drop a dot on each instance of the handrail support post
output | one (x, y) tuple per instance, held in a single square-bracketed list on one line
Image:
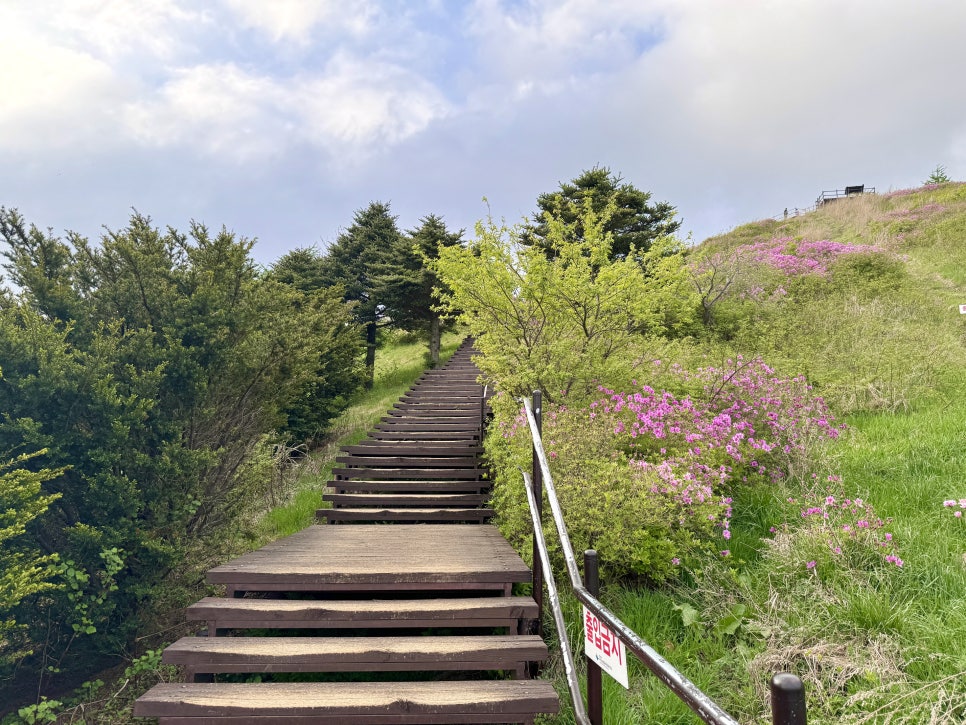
[(537, 483), (787, 700), (595, 695)]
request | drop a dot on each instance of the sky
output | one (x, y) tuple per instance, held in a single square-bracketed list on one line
[(280, 119)]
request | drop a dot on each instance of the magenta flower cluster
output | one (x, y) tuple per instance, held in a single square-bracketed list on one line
[(848, 524), (953, 504), (798, 257), (748, 427), (907, 192), (917, 213)]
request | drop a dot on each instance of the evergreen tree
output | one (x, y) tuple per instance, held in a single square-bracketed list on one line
[(406, 283), (634, 221), (354, 261)]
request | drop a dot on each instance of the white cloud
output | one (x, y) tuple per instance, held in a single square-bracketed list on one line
[(53, 97), (353, 109), (295, 20), (366, 102), (218, 108)]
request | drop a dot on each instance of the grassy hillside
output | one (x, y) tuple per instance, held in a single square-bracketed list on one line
[(861, 297)]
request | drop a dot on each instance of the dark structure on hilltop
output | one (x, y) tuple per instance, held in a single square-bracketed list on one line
[(835, 194)]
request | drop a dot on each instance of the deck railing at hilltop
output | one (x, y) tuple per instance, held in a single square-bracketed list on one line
[(787, 691)]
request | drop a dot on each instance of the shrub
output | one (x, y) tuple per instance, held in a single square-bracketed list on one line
[(646, 477)]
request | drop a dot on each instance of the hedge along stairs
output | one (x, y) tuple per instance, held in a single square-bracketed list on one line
[(423, 605)]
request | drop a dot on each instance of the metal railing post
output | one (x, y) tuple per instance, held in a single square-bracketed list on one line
[(537, 483), (595, 695), (787, 700)]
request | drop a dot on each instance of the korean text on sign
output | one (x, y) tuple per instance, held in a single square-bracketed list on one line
[(605, 648)]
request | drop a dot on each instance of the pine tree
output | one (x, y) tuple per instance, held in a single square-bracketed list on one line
[(634, 221)]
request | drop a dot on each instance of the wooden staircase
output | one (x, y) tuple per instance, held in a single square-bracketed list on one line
[(422, 596)]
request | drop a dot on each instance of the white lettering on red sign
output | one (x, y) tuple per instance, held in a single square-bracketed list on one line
[(605, 648)]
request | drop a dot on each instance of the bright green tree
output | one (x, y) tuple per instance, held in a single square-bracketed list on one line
[(559, 322), (633, 221), (24, 570)]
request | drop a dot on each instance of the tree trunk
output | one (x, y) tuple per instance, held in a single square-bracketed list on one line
[(434, 335), (370, 354)]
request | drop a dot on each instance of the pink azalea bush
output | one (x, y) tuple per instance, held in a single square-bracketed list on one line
[(647, 477), (798, 257), (832, 531)]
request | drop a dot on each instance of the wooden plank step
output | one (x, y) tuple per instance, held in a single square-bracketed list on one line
[(463, 612), (357, 461), (393, 486), (332, 703), (424, 435), (429, 426), (377, 558), (423, 500), (473, 474), (356, 654), (428, 448), (409, 515), (427, 404), (442, 415)]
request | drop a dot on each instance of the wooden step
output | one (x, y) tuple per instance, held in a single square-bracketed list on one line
[(401, 448), (415, 486), (422, 500), (356, 654), (391, 434), (459, 416), (376, 558), (434, 405), (409, 515), (464, 612), (337, 703), (473, 474), (358, 461), (409, 426)]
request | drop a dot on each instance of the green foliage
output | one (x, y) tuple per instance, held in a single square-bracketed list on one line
[(406, 283), (560, 322), (355, 261), (609, 505), (632, 220), (24, 571), (938, 176), (151, 367)]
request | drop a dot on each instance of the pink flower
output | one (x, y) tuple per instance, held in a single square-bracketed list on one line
[(810, 565)]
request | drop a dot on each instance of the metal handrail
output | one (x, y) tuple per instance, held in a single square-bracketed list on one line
[(787, 693)]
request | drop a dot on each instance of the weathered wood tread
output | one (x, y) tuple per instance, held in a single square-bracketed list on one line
[(355, 654), (327, 703), (363, 461), (473, 474), (425, 500), (430, 448), (406, 514), (361, 613), (414, 486), (363, 557)]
